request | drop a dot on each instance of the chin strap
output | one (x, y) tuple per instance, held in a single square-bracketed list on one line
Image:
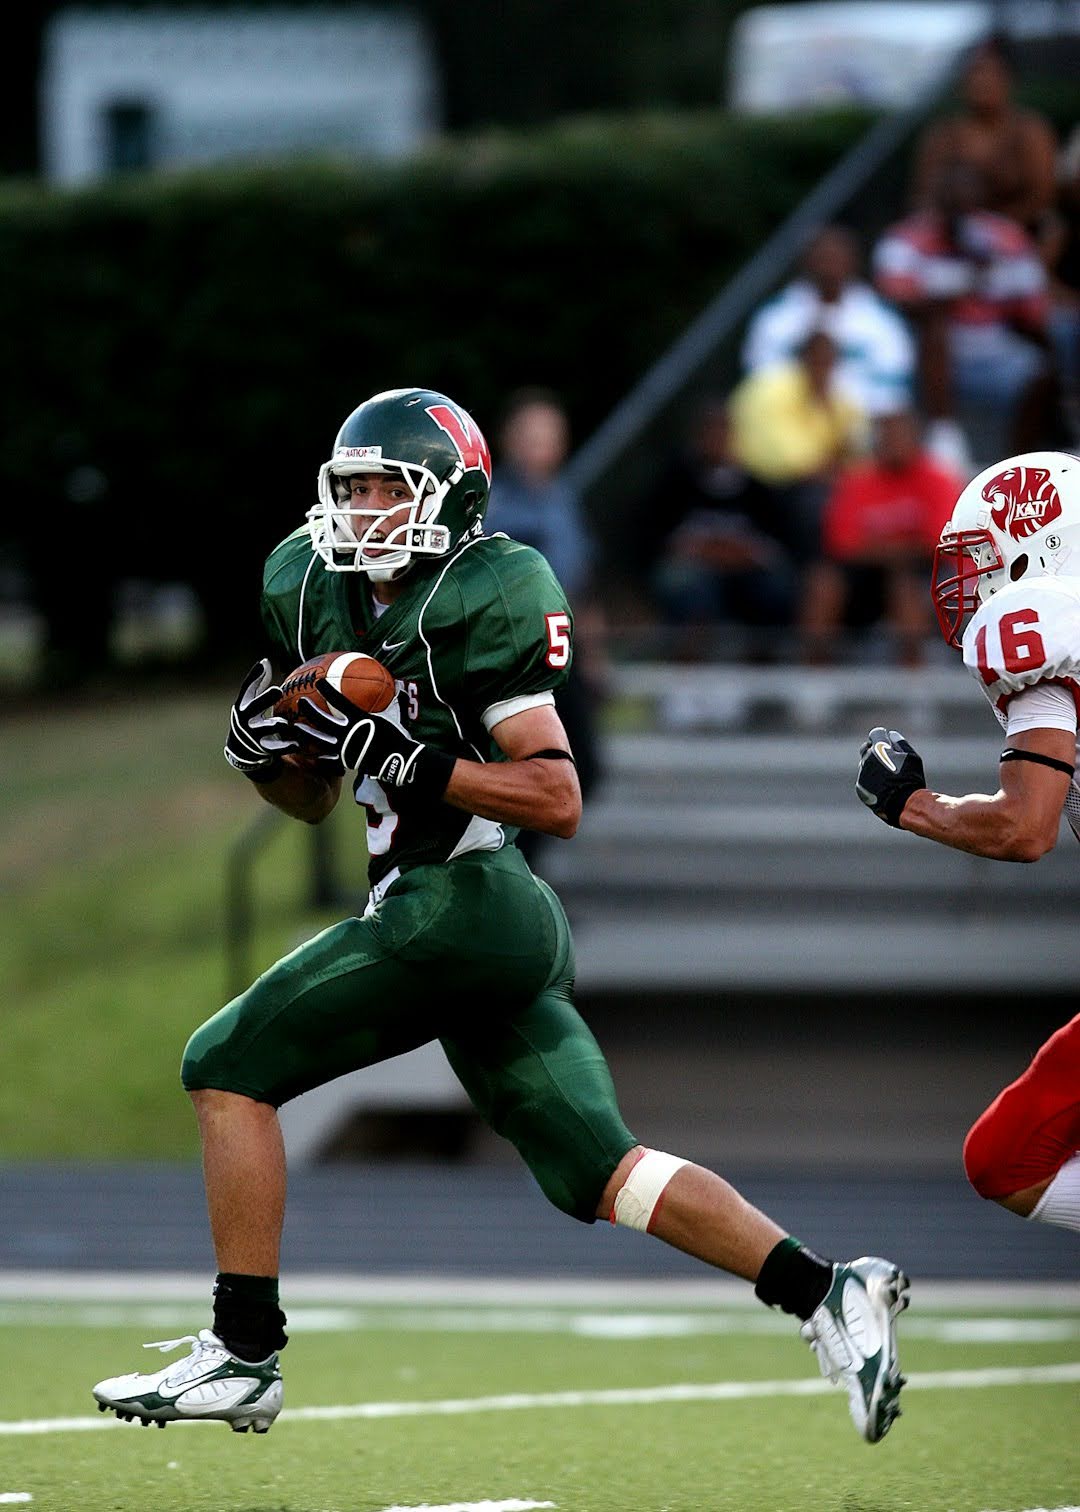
[(1010, 753)]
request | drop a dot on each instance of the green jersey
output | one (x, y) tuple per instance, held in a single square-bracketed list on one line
[(474, 638)]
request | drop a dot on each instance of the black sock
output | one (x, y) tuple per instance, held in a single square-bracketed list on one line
[(247, 1318), (794, 1278)]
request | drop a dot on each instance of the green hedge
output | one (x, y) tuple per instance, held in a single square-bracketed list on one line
[(199, 337)]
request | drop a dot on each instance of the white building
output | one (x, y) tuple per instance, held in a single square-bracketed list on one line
[(166, 88), (877, 53)]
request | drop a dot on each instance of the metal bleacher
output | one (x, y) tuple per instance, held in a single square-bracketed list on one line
[(740, 858)]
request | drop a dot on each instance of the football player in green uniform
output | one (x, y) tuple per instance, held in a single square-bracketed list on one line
[(477, 633)]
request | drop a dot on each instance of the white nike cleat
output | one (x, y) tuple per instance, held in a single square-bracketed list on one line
[(208, 1382), (853, 1334)]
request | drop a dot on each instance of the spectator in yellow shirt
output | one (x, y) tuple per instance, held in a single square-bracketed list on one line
[(791, 428)]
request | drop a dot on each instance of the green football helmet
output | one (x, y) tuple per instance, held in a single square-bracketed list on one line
[(437, 448)]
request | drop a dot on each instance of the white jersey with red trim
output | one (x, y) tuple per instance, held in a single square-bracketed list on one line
[(1027, 636)]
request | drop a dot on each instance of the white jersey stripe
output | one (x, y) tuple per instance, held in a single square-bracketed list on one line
[(420, 631), (300, 612)]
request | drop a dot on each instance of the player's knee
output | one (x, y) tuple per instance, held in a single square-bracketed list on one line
[(1000, 1155), (208, 1060), (1031, 1126), (641, 1196), (566, 1191), (980, 1165), (198, 1056), (571, 1178)]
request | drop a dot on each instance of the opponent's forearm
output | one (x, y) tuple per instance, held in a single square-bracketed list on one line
[(985, 824), (300, 792), (538, 795)]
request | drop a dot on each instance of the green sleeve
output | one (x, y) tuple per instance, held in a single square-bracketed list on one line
[(281, 637), (520, 633), (283, 578)]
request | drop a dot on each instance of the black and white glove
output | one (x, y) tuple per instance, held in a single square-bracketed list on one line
[(890, 770), (343, 737), (258, 738)]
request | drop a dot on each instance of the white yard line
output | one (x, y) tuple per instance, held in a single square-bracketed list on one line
[(644, 1396), (513, 1505), (352, 1289), (618, 1326)]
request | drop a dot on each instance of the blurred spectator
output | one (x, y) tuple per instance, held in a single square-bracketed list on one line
[(1012, 149), (1060, 246), (875, 353), (531, 503), (529, 500), (75, 589), (975, 287), (881, 523), (791, 427), (721, 554)]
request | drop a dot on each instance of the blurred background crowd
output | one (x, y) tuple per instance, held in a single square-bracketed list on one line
[(209, 258)]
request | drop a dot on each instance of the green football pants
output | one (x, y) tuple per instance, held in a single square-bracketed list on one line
[(477, 954)]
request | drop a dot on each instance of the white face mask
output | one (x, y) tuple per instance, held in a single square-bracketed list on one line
[(344, 534)]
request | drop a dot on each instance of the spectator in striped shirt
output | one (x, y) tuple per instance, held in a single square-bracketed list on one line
[(1013, 148), (975, 288)]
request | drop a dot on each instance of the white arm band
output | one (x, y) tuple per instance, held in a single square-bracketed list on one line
[(495, 713)]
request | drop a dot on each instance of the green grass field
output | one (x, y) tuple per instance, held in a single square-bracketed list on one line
[(508, 1405), (114, 833)]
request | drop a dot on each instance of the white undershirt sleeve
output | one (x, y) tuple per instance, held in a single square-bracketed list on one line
[(1042, 707), (495, 713)]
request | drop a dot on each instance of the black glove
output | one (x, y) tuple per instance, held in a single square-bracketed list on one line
[(343, 737), (258, 739), (890, 770)]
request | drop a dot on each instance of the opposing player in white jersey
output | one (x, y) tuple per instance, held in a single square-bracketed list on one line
[(1007, 590)]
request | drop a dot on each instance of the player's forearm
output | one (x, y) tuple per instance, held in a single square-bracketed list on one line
[(538, 795), (301, 793), (984, 824)]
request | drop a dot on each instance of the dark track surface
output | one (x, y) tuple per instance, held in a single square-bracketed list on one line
[(466, 1220)]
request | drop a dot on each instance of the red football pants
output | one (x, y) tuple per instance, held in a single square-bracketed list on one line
[(1033, 1127)]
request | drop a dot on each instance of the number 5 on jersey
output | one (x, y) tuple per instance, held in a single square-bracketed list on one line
[(558, 640), (1021, 647)]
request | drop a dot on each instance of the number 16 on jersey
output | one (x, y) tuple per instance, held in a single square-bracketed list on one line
[(1021, 646)]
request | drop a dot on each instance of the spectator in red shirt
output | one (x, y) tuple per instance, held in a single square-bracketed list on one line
[(880, 526), (975, 287)]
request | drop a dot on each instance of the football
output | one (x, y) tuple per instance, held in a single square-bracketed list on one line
[(363, 681)]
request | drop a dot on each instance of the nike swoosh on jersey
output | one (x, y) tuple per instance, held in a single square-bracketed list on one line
[(392, 645), (881, 749)]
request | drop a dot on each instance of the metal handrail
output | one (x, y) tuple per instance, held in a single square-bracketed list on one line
[(662, 382), (238, 910)]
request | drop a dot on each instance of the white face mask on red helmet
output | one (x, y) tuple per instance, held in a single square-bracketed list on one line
[(1019, 518)]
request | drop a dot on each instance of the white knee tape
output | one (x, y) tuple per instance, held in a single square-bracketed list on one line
[(640, 1193)]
